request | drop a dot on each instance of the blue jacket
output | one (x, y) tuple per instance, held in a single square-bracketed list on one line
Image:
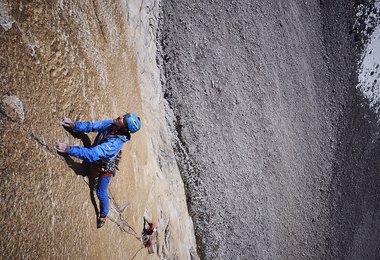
[(108, 148)]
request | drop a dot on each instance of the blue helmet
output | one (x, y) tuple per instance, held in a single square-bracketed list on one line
[(133, 122)]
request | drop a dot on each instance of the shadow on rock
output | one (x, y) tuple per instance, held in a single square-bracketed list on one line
[(81, 136), (84, 169), (355, 193)]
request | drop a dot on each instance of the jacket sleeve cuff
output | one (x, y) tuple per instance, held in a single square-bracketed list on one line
[(75, 127), (68, 150)]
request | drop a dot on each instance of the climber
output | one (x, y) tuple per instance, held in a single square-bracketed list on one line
[(115, 133), (149, 235)]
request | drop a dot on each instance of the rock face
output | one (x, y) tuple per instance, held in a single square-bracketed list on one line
[(277, 149), (87, 60), (278, 152)]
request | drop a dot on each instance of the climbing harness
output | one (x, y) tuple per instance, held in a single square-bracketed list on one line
[(108, 167)]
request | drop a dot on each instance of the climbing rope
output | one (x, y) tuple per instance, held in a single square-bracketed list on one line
[(120, 221), (137, 253)]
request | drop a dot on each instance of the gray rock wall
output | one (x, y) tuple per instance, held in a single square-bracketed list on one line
[(269, 133)]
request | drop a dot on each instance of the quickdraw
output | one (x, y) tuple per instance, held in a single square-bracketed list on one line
[(109, 167)]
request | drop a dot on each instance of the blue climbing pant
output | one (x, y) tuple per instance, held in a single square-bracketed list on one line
[(101, 191)]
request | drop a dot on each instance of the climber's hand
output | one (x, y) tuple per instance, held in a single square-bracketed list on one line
[(66, 122), (61, 147)]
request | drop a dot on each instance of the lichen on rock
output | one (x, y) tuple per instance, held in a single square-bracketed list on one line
[(6, 20), (12, 107)]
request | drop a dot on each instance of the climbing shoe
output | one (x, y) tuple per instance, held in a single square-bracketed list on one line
[(101, 221)]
